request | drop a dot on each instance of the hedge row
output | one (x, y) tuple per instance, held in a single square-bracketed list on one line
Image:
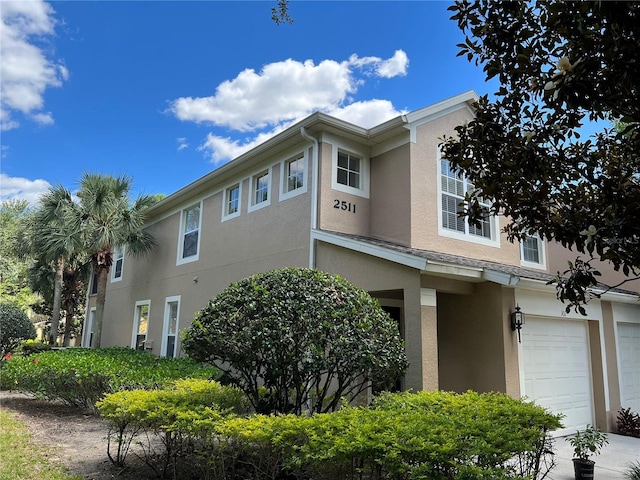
[(426, 435), (81, 376)]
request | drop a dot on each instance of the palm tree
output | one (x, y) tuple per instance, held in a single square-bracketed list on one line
[(107, 219), (53, 241)]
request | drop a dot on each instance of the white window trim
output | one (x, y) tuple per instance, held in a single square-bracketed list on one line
[(363, 191), (195, 257), (134, 330), (165, 325), (494, 241), (284, 175), (541, 254), (113, 267), (251, 207), (87, 334), (225, 201)]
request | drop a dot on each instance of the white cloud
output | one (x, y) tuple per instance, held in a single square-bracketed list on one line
[(285, 92), (25, 69), (392, 67), (17, 188), (182, 143)]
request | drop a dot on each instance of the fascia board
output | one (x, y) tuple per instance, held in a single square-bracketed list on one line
[(405, 259), (500, 278)]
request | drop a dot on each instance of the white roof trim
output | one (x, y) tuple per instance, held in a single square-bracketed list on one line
[(405, 259), (501, 278)]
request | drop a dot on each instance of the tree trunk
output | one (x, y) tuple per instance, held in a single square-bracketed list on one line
[(67, 326), (57, 302), (103, 274)]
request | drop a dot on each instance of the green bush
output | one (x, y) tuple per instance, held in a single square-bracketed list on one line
[(427, 435), (297, 339), (34, 346), (80, 376), (176, 415), (15, 327)]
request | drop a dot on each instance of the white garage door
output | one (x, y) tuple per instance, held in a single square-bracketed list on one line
[(556, 369), (629, 340)]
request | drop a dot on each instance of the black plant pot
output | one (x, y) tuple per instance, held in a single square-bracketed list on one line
[(583, 469)]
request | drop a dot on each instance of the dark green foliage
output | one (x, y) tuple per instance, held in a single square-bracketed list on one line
[(81, 376), (587, 442), (298, 338), (428, 435), (15, 327), (628, 423), (559, 65)]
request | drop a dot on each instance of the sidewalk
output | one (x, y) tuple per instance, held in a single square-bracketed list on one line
[(611, 464)]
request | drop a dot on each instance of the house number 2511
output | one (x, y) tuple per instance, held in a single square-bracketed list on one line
[(346, 206)]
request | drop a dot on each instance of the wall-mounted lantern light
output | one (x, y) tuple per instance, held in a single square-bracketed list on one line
[(517, 321)]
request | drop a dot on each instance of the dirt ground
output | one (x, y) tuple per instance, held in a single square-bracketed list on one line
[(79, 439)]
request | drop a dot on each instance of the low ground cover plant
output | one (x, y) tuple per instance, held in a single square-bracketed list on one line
[(80, 376), (428, 435)]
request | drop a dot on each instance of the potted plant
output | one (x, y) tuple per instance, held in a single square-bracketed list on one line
[(586, 443)]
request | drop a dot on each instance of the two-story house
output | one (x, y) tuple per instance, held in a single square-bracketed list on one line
[(379, 206)]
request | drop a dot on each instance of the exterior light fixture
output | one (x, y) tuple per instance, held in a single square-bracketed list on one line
[(517, 321)]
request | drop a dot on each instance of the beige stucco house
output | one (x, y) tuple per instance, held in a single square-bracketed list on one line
[(378, 207)]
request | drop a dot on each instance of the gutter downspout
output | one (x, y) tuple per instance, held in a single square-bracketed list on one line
[(314, 196)]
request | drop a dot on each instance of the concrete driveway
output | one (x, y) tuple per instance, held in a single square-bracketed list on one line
[(611, 464)]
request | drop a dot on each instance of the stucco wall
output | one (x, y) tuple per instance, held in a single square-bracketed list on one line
[(471, 340), (271, 237)]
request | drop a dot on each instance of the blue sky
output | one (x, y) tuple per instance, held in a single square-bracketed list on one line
[(166, 91)]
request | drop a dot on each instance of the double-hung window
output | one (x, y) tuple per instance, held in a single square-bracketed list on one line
[(118, 263), (453, 187), (189, 243), (293, 178), (231, 202), (260, 190), (532, 252)]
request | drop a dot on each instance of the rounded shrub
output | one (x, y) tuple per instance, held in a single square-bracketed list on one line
[(15, 327), (297, 339)]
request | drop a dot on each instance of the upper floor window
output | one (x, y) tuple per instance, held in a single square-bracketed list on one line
[(260, 190), (350, 171), (189, 234), (231, 205), (532, 252), (118, 263), (453, 187), (294, 176)]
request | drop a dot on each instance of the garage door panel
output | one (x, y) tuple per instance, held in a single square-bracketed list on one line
[(629, 354), (556, 369)]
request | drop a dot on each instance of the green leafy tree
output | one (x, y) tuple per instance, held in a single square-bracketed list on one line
[(14, 260), (559, 65), (15, 327), (55, 242), (106, 218), (297, 339)]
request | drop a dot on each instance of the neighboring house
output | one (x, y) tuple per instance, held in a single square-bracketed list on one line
[(379, 207)]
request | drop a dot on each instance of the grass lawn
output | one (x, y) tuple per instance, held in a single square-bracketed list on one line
[(21, 459)]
